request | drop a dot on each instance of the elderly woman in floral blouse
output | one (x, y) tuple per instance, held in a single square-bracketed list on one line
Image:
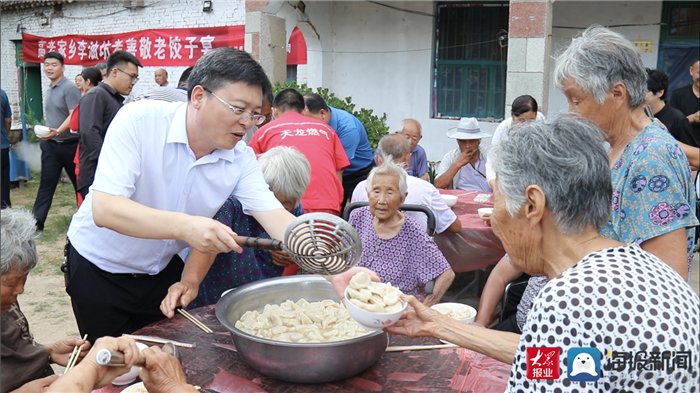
[(393, 244)]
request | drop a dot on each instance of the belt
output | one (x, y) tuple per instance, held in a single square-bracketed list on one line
[(67, 142)]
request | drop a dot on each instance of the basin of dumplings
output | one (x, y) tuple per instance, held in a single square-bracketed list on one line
[(295, 334), (373, 305)]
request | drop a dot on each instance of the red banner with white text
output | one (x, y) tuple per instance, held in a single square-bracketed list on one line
[(153, 47)]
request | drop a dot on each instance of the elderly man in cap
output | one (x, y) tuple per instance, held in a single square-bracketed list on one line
[(464, 168)]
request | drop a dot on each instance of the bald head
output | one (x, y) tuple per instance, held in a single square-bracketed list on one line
[(411, 129), (161, 77)]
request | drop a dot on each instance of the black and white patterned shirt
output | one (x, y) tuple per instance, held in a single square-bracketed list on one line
[(620, 300)]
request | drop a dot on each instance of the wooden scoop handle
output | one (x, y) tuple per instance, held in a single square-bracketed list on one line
[(260, 243)]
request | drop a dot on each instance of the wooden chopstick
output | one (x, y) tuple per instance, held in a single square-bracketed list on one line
[(194, 320), (74, 355), (401, 348), (158, 340)]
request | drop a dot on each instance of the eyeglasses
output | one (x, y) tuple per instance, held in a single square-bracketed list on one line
[(134, 77), (245, 115)]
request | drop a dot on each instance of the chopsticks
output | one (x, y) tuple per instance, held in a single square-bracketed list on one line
[(401, 348), (194, 320), (158, 340), (74, 355)]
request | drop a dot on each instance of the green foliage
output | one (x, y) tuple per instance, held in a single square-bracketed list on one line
[(32, 120), (375, 125), (432, 170)]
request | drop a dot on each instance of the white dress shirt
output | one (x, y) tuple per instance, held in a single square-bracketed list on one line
[(146, 158)]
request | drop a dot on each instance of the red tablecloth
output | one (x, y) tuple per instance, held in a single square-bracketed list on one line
[(476, 246), (215, 364)]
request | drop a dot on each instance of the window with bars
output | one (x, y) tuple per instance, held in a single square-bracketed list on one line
[(470, 59)]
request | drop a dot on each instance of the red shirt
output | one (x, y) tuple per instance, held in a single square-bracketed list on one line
[(321, 146)]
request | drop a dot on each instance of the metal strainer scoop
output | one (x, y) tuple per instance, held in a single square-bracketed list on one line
[(319, 243)]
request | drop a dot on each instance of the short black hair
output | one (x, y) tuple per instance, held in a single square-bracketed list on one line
[(657, 80), (183, 78), (222, 66), (121, 57), (289, 99), (523, 104), (92, 74), (314, 103), (54, 55)]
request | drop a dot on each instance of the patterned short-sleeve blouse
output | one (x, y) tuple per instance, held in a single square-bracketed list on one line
[(616, 299), (652, 190), (409, 260)]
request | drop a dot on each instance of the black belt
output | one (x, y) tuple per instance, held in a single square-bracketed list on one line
[(67, 142)]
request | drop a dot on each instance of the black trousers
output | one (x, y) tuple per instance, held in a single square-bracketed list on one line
[(110, 304), (350, 181), (54, 158), (5, 184)]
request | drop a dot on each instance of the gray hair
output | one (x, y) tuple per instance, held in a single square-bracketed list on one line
[(389, 168), (286, 171), (598, 59), (392, 147), (227, 65), (414, 121), (567, 159), (17, 241)]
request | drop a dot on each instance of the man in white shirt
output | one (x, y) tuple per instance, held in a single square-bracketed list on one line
[(164, 170), (397, 148)]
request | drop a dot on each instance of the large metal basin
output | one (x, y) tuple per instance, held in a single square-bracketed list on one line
[(301, 363)]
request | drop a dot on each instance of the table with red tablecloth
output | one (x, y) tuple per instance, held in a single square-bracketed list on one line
[(214, 364), (475, 246)]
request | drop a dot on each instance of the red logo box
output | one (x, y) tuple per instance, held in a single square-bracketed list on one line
[(543, 363)]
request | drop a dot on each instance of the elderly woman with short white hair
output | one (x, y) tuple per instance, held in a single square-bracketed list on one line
[(604, 80), (393, 244), (552, 196), (23, 360)]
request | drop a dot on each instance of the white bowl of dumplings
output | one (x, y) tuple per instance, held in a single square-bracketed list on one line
[(461, 312), (373, 305)]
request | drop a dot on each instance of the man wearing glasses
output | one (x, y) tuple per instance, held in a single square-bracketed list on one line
[(165, 168), (97, 109)]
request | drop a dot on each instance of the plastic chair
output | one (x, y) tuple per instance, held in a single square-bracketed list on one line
[(407, 207)]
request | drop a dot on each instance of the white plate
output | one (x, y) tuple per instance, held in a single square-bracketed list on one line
[(136, 388)]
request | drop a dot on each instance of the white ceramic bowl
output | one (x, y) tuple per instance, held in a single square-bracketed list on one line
[(41, 131), (372, 320), (450, 200), (485, 212), (459, 311), (129, 376)]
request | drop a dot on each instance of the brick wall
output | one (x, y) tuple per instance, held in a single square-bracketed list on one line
[(84, 17)]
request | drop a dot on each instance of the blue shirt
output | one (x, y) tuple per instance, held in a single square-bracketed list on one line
[(419, 162), (6, 112), (652, 191), (353, 137)]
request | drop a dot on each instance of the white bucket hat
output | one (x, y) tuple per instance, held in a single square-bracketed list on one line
[(468, 128)]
